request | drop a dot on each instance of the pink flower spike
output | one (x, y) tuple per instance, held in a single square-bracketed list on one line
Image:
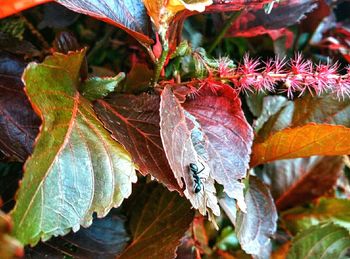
[(342, 89), (279, 65), (249, 66), (225, 67), (300, 65)]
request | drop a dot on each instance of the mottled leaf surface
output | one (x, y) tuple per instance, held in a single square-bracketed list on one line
[(158, 219), (134, 122), (82, 170), (326, 209), (297, 181), (322, 241), (183, 145), (129, 15), (308, 140), (19, 125), (255, 227), (229, 136)]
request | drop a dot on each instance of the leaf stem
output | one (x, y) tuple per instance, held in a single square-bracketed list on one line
[(221, 35)]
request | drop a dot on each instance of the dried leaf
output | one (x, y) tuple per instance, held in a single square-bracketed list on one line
[(309, 140), (134, 122), (158, 220), (82, 170)]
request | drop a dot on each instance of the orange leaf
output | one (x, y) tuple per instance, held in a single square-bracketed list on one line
[(9, 7), (308, 140)]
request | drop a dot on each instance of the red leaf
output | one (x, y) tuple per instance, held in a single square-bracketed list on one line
[(229, 136), (158, 219), (257, 22), (180, 135), (9, 7), (298, 181), (19, 125), (134, 122), (129, 15)]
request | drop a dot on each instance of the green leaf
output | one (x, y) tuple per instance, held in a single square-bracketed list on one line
[(96, 87), (158, 219), (335, 210), (76, 168), (322, 241)]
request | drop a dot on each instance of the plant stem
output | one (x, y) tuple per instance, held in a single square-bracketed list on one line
[(221, 35), (161, 61)]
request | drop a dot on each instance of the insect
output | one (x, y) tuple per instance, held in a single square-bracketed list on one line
[(195, 174)]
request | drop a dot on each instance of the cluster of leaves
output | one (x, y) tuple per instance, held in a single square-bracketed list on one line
[(91, 141)]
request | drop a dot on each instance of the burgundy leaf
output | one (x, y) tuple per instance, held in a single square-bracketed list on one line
[(257, 22), (181, 138), (297, 181), (129, 15), (19, 124), (229, 136), (134, 122), (158, 219)]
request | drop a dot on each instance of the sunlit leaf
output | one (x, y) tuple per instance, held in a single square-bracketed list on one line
[(309, 140), (82, 170), (158, 220), (162, 11)]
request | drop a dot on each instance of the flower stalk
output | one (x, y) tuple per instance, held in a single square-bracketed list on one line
[(296, 76)]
